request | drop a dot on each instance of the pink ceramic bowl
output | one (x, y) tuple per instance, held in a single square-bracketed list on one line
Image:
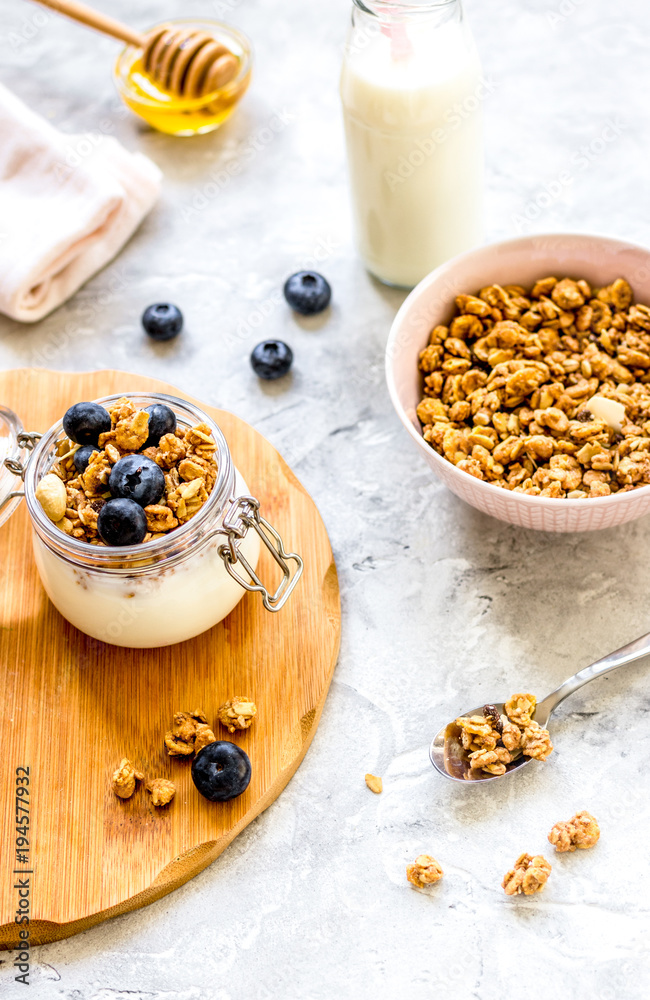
[(520, 261)]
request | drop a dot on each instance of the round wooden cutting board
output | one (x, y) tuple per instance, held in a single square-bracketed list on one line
[(73, 706)]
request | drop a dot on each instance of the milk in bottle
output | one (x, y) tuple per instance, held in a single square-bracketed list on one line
[(412, 95)]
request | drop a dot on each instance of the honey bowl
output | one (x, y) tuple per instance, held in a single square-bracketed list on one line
[(180, 115)]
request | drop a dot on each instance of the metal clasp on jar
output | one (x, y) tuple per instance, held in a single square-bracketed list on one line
[(27, 441), (242, 515)]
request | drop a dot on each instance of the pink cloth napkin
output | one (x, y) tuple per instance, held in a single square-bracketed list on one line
[(68, 204)]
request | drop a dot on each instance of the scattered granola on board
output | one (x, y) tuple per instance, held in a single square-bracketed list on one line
[(124, 779)]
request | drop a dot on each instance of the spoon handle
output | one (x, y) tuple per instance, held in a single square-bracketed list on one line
[(619, 658), (95, 19)]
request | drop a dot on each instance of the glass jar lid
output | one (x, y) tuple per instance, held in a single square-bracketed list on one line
[(13, 453)]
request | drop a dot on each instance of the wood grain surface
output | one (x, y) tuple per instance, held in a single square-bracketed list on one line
[(73, 706)]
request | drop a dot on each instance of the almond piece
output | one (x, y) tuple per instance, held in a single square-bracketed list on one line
[(50, 493)]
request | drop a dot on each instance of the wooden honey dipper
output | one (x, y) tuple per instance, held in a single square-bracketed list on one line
[(183, 61)]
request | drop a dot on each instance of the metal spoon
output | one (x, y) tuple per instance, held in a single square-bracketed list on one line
[(446, 751)]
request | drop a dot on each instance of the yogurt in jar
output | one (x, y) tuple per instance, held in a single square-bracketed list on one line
[(175, 585), (411, 94), (149, 606)]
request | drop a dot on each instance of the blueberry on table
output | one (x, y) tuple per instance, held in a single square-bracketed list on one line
[(271, 359), (162, 420), (81, 457), (162, 321), (307, 292), (122, 522), (138, 478), (221, 771), (84, 422)]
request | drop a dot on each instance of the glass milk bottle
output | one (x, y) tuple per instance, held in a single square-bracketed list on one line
[(412, 97)]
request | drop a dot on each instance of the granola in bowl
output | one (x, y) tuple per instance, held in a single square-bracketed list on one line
[(543, 391)]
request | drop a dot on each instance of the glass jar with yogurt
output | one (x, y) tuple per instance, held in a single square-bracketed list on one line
[(162, 591), (412, 95)]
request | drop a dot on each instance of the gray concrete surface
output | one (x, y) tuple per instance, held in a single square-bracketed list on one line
[(442, 607)]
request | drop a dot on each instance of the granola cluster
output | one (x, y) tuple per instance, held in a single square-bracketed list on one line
[(162, 791), (187, 458), (492, 741), (508, 387), (237, 713), (424, 871), (190, 732), (124, 779), (582, 831), (530, 872), (528, 876)]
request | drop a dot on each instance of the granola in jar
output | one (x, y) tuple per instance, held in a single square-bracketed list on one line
[(185, 457)]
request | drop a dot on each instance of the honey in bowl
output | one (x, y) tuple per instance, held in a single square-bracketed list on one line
[(176, 115)]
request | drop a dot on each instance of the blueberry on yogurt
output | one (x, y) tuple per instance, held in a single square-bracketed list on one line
[(84, 422), (138, 478), (221, 771), (122, 522), (162, 420), (82, 455)]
